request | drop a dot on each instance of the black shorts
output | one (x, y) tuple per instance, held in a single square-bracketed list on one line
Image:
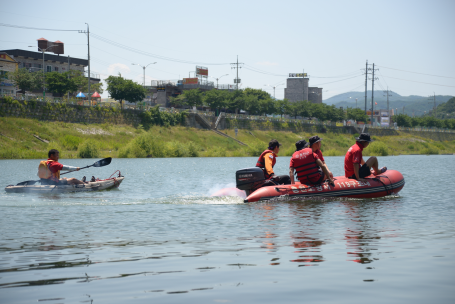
[(61, 182), (364, 171)]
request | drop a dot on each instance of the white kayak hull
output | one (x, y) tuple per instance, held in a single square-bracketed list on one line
[(91, 186)]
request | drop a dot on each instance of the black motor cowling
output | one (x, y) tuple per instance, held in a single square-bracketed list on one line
[(250, 179)]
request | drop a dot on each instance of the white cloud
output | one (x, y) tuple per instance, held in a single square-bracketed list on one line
[(116, 68), (266, 63)]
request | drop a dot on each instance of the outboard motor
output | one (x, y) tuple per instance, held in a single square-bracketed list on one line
[(250, 179)]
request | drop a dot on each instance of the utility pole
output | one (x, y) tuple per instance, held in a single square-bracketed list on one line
[(387, 94), (236, 66), (372, 94), (434, 102), (303, 83), (68, 75), (366, 85), (88, 46)]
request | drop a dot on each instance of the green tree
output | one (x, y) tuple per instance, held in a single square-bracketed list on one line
[(267, 106), (25, 80), (259, 94), (82, 82), (215, 99), (306, 108), (124, 89), (60, 83), (294, 109), (252, 104), (192, 97), (402, 120), (235, 100), (280, 106), (356, 114)]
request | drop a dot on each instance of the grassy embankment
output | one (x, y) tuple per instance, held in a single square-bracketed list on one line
[(103, 140)]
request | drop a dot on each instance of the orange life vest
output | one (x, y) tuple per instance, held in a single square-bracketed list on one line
[(305, 165), (45, 173), (261, 162)]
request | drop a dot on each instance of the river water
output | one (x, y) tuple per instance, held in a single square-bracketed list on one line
[(161, 238)]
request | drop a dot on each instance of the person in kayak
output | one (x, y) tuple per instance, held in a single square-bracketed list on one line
[(267, 160), (49, 171), (307, 163), (354, 165)]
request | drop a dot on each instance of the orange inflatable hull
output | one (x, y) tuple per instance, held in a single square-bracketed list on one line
[(388, 183)]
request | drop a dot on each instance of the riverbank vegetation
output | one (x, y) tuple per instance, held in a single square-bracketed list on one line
[(31, 139)]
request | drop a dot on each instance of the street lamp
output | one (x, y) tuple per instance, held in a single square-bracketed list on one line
[(218, 79), (268, 85), (144, 69), (44, 81)]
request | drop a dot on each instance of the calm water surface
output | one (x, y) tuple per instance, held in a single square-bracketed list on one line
[(161, 238)]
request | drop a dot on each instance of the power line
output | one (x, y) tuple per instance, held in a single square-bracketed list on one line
[(441, 85), (416, 72), (338, 80), (35, 28), (131, 49)]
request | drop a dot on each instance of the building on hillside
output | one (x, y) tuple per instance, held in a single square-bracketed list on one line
[(381, 117), (7, 64), (297, 89), (33, 61)]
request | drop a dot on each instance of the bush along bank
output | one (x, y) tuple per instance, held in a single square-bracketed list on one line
[(22, 138)]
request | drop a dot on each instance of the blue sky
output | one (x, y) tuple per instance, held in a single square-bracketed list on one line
[(330, 40)]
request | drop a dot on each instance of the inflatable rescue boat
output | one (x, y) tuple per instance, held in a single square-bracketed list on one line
[(257, 188), (37, 187)]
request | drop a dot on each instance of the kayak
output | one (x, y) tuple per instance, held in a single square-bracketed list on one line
[(36, 187), (252, 186)]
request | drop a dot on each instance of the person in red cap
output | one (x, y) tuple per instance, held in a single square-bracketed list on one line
[(267, 160), (354, 165)]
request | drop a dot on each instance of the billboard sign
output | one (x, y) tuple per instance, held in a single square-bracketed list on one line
[(190, 81), (298, 75), (203, 71)]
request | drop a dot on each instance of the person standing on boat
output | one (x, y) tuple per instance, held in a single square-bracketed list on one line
[(306, 162), (354, 165), (49, 171), (267, 160)]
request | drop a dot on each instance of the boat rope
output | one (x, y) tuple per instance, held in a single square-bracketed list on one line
[(385, 186), (116, 183)]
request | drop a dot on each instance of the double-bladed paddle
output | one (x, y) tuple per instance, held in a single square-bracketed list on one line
[(101, 163)]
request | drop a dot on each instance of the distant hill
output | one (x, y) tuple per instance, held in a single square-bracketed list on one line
[(413, 104), (445, 110)]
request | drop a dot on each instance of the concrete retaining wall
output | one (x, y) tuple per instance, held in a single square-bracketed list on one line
[(69, 113)]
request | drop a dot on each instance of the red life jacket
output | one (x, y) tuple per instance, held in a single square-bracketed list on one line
[(261, 162), (305, 166)]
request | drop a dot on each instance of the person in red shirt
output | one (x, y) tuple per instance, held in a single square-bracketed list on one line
[(354, 165), (315, 144), (267, 160), (49, 171), (306, 162)]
